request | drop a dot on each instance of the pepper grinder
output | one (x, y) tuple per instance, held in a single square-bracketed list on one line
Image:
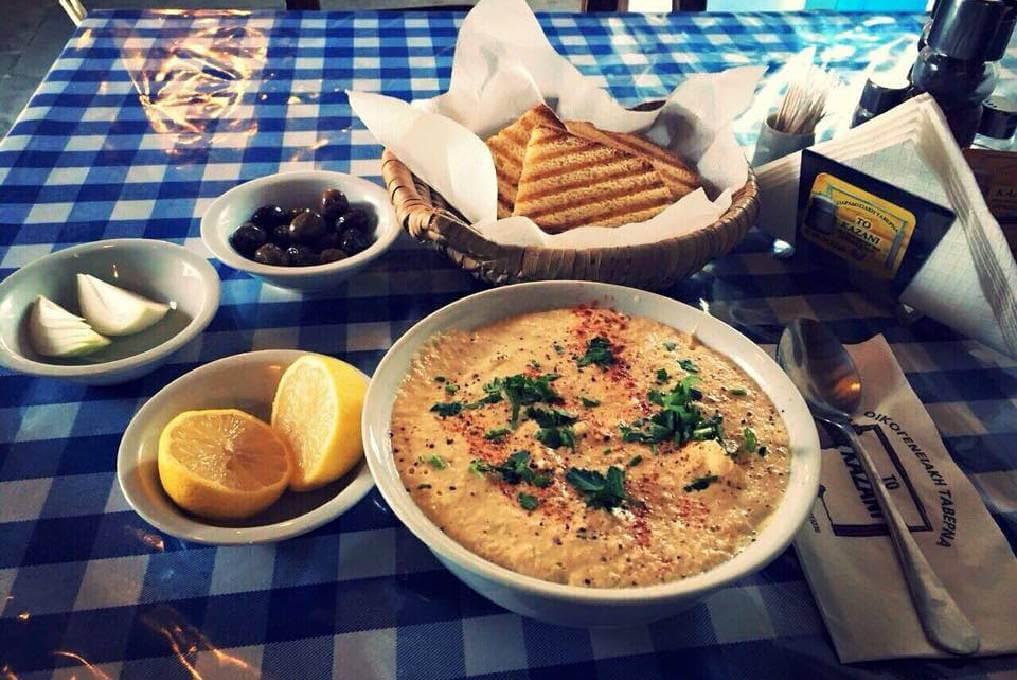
[(956, 65)]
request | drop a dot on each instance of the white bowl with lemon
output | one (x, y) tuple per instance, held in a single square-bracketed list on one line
[(253, 448)]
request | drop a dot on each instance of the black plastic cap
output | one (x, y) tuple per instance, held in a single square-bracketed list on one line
[(1005, 31), (879, 99), (966, 29), (999, 117)]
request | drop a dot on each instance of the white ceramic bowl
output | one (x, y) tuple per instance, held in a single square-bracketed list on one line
[(571, 605), (301, 189), (159, 270), (246, 382)]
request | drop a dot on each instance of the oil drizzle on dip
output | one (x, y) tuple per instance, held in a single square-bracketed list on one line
[(688, 507)]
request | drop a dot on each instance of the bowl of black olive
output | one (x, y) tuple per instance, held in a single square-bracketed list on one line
[(304, 230)]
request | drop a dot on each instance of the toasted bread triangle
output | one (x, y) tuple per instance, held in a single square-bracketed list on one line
[(678, 177), (508, 148), (569, 181)]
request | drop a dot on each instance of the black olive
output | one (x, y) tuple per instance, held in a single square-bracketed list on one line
[(360, 217), (333, 204), (270, 254), (270, 216), (301, 256), (353, 241), (331, 255), (307, 227), (329, 241), (281, 235), (247, 238)]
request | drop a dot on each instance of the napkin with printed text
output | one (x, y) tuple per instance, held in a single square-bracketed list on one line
[(847, 555)]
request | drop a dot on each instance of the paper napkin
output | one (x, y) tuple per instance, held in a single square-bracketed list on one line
[(847, 556)]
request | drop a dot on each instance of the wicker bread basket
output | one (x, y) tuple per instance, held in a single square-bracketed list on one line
[(652, 266)]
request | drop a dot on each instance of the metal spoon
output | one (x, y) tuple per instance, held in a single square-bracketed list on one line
[(823, 371)]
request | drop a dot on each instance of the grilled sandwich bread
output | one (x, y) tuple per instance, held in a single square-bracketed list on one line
[(508, 148), (680, 179), (569, 181), (572, 174)]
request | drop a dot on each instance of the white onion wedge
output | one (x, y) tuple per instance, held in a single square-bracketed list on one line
[(114, 311), (55, 332)]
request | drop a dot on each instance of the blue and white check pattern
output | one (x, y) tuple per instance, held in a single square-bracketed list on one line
[(145, 119)]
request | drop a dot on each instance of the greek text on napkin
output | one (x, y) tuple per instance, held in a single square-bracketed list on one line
[(503, 66), (846, 552)]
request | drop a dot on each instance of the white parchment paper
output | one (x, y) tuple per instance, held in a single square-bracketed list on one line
[(847, 556), (503, 66)]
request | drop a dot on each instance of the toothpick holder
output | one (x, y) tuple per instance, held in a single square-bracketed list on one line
[(773, 144)]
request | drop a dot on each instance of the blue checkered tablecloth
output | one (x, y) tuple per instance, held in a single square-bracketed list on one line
[(145, 119)]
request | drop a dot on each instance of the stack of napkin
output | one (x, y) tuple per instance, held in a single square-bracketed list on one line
[(970, 281)]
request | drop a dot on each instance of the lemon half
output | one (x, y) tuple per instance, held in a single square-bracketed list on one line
[(316, 412), (222, 464)]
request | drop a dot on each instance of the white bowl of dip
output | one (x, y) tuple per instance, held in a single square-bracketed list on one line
[(574, 605)]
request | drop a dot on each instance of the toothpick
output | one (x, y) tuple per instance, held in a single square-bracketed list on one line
[(804, 103)]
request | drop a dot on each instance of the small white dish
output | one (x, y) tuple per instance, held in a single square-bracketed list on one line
[(246, 382), (300, 189), (158, 270), (571, 605)]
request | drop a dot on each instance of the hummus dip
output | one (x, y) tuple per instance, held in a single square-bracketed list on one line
[(588, 447)]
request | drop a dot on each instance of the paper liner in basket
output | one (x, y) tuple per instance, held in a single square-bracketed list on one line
[(969, 282), (503, 66)]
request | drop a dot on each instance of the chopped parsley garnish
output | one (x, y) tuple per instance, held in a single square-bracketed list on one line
[(551, 418), (423, 486), (542, 480), (636, 460), (669, 346), (737, 391), (678, 421), (700, 483), (555, 437), (601, 491), (589, 403), (437, 462), (598, 351), (661, 375), (559, 349), (514, 470), (451, 388), (687, 365), (534, 365), (497, 434), (448, 408), (523, 390), (528, 502), (492, 395), (519, 389), (750, 440)]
